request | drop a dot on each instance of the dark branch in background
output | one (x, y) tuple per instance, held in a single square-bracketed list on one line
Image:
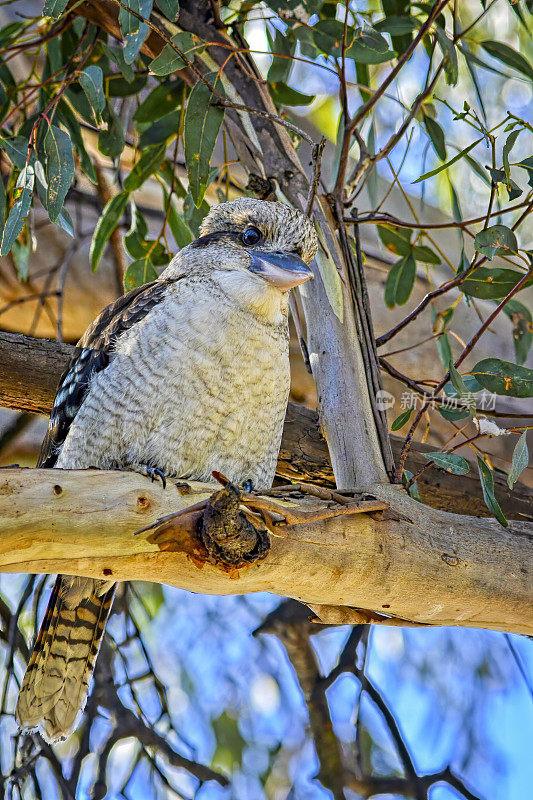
[(290, 622)]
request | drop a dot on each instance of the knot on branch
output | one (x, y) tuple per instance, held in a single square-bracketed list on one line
[(263, 188), (226, 532)]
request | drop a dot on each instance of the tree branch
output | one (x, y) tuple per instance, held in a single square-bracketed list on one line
[(414, 562)]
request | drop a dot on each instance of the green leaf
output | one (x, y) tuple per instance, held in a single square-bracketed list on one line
[(119, 86), (138, 273), (168, 60), (19, 212), (116, 55), (170, 8), (64, 220), (527, 164), (54, 8), (328, 35), (496, 241), (450, 462), (135, 31), (111, 142), (284, 95), (105, 226), (508, 146), (509, 56), (202, 123), (520, 460), (282, 49), (397, 26), (425, 254), (401, 419), (457, 381), (487, 484), (180, 230), (504, 377), (16, 149), (149, 162), (451, 67), (491, 283), (449, 163), (160, 131), (92, 83), (400, 281), (445, 350), (369, 47), (134, 241), (70, 122), (161, 101), (59, 169), (413, 489), (436, 134), (397, 240), (522, 323)]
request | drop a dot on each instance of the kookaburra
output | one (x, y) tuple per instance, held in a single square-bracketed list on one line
[(180, 377)]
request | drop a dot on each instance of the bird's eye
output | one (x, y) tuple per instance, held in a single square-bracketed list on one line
[(251, 236)]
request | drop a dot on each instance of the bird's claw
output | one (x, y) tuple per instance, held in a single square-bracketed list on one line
[(152, 473)]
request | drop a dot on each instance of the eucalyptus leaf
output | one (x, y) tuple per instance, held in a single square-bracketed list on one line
[(59, 169), (149, 162), (161, 101), (400, 281), (495, 241), (92, 83), (449, 461), (449, 163), (522, 323), (504, 377), (401, 419), (19, 212), (169, 60), (54, 8), (138, 273), (491, 283), (508, 56), (134, 31), (202, 123), (487, 484), (105, 226), (520, 460)]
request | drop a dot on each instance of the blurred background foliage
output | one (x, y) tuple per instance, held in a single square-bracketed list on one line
[(111, 154)]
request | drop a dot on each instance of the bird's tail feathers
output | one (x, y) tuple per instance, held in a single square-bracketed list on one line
[(56, 683)]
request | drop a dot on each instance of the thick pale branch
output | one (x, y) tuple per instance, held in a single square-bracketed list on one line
[(415, 563)]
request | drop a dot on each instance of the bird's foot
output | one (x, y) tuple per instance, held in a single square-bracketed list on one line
[(150, 472)]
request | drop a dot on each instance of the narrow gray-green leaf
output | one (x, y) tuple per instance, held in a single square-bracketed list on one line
[(20, 209), (487, 484), (520, 460), (400, 281), (504, 377), (169, 60), (522, 323), (508, 146), (491, 283), (59, 169), (54, 8), (149, 162), (495, 241), (106, 225), (16, 149), (449, 163), (509, 56), (138, 273), (170, 8), (401, 419), (202, 123), (92, 83), (135, 31), (449, 461), (451, 67)]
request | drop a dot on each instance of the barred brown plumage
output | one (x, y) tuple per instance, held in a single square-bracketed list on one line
[(183, 376)]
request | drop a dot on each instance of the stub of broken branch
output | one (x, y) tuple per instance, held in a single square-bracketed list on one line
[(231, 524)]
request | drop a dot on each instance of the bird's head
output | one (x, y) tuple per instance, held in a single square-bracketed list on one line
[(256, 250)]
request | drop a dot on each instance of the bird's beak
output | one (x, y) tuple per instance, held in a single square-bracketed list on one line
[(284, 270)]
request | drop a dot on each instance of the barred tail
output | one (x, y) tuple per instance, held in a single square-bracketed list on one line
[(56, 682)]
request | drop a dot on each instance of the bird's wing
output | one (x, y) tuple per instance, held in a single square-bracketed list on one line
[(92, 355)]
